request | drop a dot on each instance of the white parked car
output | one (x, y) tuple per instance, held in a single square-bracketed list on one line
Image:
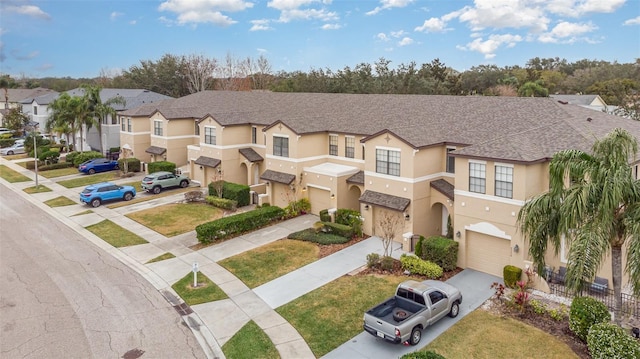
[(14, 149), (4, 130)]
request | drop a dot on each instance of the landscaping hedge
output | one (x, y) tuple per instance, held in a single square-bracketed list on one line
[(222, 203), (233, 191), (311, 235), (133, 164), (337, 229), (231, 226), (55, 166), (416, 265), (607, 340), (441, 251), (161, 166), (585, 312)]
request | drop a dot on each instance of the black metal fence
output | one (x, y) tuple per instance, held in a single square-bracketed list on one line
[(630, 303)]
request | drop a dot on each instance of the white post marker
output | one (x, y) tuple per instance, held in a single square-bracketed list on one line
[(195, 274)]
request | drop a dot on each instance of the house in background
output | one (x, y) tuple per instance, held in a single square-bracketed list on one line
[(417, 162), (37, 108), (13, 98), (592, 102)]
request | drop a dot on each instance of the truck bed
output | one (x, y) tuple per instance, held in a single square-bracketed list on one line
[(385, 310)]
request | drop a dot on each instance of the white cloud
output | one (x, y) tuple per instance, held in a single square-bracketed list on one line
[(432, 25), (289, 4), (566, 32), (398, 33), (382, 37), (389, 4), (634, 21), (331, 26), (260, 25), (133, 22), (115, 15), (28, 10), (405, 41), (494, 42), (499, 14), (204, 11), (262, 51), (307, 14)]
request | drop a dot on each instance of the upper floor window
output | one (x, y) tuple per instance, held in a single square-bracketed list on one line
[(35, 110), (281, 146), (350, 147), (333, 145), (122, 124), (254, 135), (157, 128), (128, 125), (196, 130), (504, 181), (210, 135), (637, 174), (477, 177), (388, 162), (451, 161)]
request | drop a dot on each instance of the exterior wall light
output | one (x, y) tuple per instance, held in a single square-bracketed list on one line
[(458, 234), (366, 207), (516, 248)]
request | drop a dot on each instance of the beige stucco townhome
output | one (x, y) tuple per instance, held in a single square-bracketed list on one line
[(422, 161)]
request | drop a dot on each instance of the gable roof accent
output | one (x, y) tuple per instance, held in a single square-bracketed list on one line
[(250, 154), (208, 161), (155, 150), (357, 178), (443, 187), (385, 200), (279, 177)]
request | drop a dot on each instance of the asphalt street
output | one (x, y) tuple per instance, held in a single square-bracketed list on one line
[(62, 297)]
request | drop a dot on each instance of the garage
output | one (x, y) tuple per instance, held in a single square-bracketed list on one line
[(487, 253), (320, 199)]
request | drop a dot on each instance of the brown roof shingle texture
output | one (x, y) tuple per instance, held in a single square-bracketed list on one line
[(444, 187), (155, 150), (509, 128), (357, 178), (208, 161), (251, 155), (279, 177), (385, 200)]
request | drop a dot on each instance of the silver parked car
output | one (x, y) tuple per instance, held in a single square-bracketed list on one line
[(157, 181), (14, 149)]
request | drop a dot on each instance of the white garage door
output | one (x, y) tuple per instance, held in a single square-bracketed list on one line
[(320, 199), (487, 253)]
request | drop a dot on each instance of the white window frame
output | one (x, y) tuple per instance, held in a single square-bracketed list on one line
[(157, 127), (210, 136), (385, 163), (474, 187), (129, 126), (281, 152), (503, 178), (333, 145), (350, 146), (450, 161)]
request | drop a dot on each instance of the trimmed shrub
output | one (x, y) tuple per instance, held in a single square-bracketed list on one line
[(373, 259), (386, 263), (585, 312), (311, 235), (337, 229), (81, 157), (133, 164), (49, 157), (231, 226), (419, 266), (511, 275), (324, 216), (6, 142), (161, 166), (422, 355), (222, 203), (607, 340), (233, 191), (441, 251), (55, 166), (350, 218), (418, 249), (298, 207), (194, 196)]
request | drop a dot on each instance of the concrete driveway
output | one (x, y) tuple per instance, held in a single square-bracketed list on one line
[(476, 289)]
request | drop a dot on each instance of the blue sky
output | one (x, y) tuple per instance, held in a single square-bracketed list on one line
[(82, 38)]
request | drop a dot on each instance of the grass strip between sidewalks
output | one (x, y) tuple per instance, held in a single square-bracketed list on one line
[(12, 176), (161, 257), (268, 262), (115, 235), (86, 180), (205, 292), (60, 201), (250, 342)]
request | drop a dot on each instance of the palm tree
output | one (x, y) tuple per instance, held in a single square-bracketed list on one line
[(594, 203), (98, 110), (79, 108), (62, 117)]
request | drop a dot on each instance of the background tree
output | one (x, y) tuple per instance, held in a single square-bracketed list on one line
[(533, 89), (389, 224), (15, 120), (594, 205), (199, 71), (165, 76)]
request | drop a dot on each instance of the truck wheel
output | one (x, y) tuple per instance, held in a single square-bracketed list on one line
[(416, 335), (455, 309), (157, 189)]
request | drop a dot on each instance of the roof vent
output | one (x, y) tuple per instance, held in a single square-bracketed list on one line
[(563, 102), (589, 119)]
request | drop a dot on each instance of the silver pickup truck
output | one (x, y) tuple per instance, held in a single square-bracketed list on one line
[(415, 306)]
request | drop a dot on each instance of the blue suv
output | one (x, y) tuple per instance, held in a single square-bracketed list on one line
[(98, 165), (97, 193)]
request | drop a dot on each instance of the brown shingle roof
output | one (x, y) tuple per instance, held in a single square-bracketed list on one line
[(250, 154), (385, 200), (357, 178), (509, 128), (279, 177), (443, 187), (208, 161), (155, 150)]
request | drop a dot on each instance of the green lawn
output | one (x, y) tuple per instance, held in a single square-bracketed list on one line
[(59, 172), (60, 201), (484, 335), (161, 257), (205, 292), (86, 180), (263, 264), (115, 235), (12, 176), (38, 189), (250, 342), (176, 218), (332, 314)]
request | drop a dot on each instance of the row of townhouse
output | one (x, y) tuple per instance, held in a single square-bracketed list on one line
[(426, 160)]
